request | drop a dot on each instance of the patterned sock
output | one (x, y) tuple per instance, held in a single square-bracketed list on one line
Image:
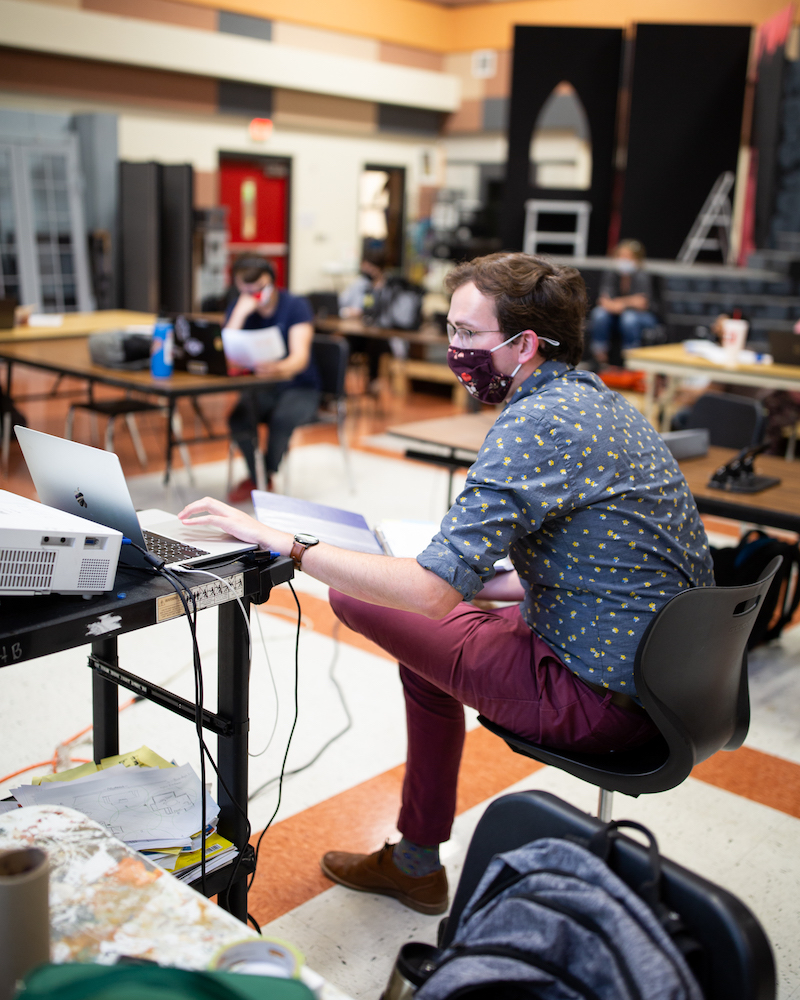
[(414, 860)]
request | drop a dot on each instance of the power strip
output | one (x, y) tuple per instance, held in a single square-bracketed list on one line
[(207, 595)]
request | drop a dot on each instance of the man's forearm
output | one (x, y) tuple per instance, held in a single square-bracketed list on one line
[(391, 583), (382, 580)]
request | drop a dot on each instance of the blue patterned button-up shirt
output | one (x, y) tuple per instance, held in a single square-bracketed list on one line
[(580, 490)]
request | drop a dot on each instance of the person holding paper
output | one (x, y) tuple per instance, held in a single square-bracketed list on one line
[(294, 396), (582, 493)]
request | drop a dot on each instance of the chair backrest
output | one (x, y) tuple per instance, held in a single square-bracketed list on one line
[(691, 668), (331, 354), (736, 960), (324, 304), (732, 421)]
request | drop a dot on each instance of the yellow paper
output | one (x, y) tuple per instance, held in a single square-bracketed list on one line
[(143, 757), (74, 772), (214, 844)]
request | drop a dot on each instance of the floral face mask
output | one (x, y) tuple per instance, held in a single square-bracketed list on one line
[(474, 370)]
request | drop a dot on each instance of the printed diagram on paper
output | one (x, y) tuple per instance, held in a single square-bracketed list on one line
[(132, 803)]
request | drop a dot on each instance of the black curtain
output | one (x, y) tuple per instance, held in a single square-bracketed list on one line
[(589, 59), (685, 125), (767, 136)]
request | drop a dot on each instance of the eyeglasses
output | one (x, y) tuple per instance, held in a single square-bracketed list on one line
[(464, 335)]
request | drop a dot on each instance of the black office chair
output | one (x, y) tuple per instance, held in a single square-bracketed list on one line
[(691, 676), (732, 421), (734, 961)]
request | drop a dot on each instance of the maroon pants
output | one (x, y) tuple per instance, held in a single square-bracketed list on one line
[(491, 661)]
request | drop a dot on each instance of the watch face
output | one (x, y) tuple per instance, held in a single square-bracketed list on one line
[(306, 539)]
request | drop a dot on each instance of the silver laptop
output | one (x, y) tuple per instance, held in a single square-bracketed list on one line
[(90, 483)]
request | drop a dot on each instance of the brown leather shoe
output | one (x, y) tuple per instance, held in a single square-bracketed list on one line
[(378, 873)]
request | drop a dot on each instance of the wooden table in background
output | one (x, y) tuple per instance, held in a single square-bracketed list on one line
[(401, 370), (71, 357), (461, 437), (776, 507), (78, 325), (675, 363)]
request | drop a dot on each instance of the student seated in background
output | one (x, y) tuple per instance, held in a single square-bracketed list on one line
[(582, 493), (626, 294), (359, 298), (294, 396)]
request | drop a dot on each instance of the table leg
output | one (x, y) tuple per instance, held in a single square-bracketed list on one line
[(667, 398), (7, 420), (261, 472), (650, 397), (105, 702), (6, 440), (233, 699), (170, 439)]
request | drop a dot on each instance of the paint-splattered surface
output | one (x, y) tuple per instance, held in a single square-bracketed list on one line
[(108, 900)]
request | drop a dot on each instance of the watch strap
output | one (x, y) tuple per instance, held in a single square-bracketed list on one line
[(297, 553)]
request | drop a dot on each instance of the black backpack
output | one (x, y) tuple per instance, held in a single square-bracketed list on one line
[(745, 562), (552, 921)]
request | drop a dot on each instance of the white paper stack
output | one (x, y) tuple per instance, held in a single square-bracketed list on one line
[(155, 810)]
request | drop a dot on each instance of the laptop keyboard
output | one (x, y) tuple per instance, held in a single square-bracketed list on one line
[(169, 550)]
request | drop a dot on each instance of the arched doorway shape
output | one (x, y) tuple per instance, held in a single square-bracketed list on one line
[(560, 151)]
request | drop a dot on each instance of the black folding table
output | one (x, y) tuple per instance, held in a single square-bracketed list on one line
[(31, 627)]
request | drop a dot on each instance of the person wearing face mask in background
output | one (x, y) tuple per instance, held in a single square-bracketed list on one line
[(293, 396), (626, 294), (582, 493), (358, 299)]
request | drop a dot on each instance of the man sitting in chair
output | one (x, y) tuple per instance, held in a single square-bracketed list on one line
[(582, 493), (294, 396)]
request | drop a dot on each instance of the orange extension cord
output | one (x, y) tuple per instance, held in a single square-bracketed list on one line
[(58, 756)]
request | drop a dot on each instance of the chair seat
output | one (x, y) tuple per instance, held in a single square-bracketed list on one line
[(631, 772)]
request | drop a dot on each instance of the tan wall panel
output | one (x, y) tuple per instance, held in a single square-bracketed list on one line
[(324, 41), (491, 25), (441, 28), (167, 11), (404, 55), (500, 84), (460, 65), (468, 118), (65, 3), (206, 188), (417, 23), (294, 107), (42, 74)]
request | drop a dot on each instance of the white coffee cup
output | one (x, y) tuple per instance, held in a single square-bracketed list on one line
[(734, 337)]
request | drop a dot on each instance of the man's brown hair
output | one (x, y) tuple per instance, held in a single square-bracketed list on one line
[(531, 293)]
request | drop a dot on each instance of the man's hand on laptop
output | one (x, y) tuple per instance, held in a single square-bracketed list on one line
[(235, 522)]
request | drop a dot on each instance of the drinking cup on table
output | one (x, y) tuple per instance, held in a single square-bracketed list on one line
[(734, 337), (24, 915)]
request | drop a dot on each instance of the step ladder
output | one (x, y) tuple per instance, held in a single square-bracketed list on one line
[(716, 211)]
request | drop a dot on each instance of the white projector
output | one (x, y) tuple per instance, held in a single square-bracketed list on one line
[(44, 550)]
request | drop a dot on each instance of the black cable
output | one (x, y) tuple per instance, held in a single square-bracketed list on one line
[(198, 706), (205, 752), (291, 732), (332, 740), (158, 565)]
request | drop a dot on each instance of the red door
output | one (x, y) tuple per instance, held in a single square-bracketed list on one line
[(256, 193)]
